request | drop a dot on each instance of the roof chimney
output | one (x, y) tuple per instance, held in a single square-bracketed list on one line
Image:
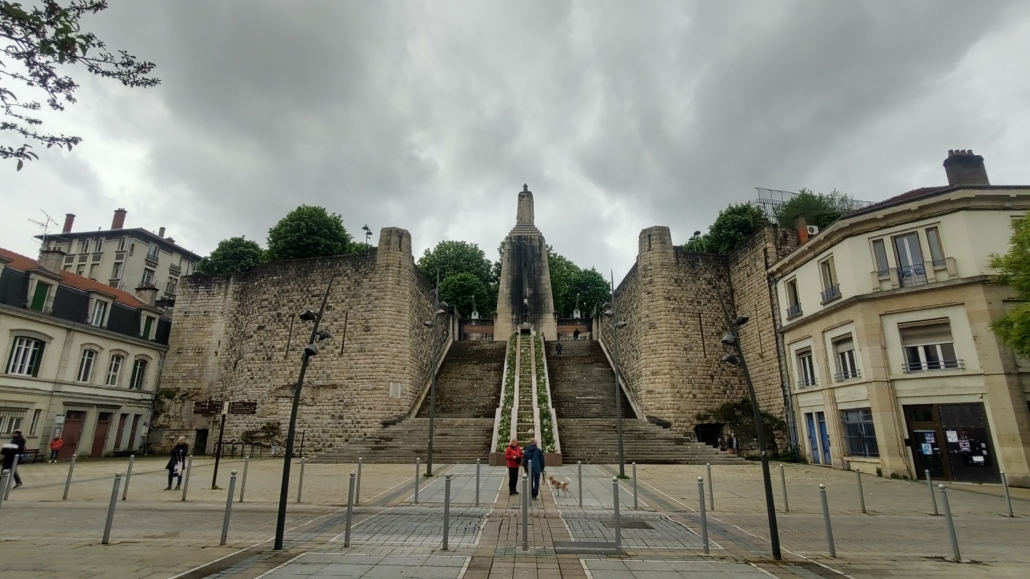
[(965, 168), (801, 228), (119, 219), (161, 232), (51, 258), (147, 294), (69, 219)]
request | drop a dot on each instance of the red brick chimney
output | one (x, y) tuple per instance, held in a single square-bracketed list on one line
[(69, 219), (119, 219), (801, 227), (965, 168)]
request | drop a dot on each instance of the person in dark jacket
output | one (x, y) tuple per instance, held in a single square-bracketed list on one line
[(533, 459), (177, 462), (513, 454), (557, 349), (11, 452)]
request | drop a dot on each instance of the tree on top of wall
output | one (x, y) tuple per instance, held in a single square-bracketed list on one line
[(233, 255), (734, 225), (459, 289), (309, 231), (819, 209), (459, 259), (1013, 269), (569, 280)]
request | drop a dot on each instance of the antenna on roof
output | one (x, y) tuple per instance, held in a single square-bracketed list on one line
[(45, 225)]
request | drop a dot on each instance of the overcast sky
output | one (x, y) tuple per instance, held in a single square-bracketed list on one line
[(431, 115)]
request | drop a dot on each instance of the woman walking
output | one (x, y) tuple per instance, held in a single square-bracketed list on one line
[(514, 456), (177, 463)]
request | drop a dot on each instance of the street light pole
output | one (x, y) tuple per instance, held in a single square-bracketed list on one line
[(616, 324), (310, 350), (432, 369), (733, 339)]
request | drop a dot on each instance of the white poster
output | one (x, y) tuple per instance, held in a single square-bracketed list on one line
[(952, 435)]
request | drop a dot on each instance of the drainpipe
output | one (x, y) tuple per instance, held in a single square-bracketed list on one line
[(792, 432)]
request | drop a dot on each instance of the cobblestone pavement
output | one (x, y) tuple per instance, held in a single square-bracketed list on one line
[(156, 534)]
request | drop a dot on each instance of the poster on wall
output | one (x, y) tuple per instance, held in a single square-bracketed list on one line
[(952, 436), (931, 437), (927, 449)]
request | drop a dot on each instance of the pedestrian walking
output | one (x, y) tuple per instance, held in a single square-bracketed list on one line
[(12, 452), (533, 458), (575, 335), (55, 447), (177, 462), (557, 348), (513, 454)]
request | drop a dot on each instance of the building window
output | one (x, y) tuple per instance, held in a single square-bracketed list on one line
[(793, 299), (94, 270), (99, 314), (911, 270), (139, 375), (10, 419), (81, 271), (35, 421), (152, 251), (26, 356), (83, 246), (114, 370), (116, 271), (86, 365), (828, 273), (880, 253), (859, 434), (806, 369), (933, 239), (928, 346), (148, 327), (148, 277), (173, 284), (39, 297), (847, 369), (123, 243), (100, 245)]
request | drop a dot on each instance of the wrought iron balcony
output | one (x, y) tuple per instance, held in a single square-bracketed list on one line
[(911, 275), (831, 293), (807, 382), (912, 367), (793, 311), (847, 375)]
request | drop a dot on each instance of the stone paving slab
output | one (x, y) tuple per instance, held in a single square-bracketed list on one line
[(661, 533), (372, 566)]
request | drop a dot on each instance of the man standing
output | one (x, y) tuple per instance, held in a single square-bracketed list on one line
[(11, 452), (513, 454), (557, 348), (534, 461)]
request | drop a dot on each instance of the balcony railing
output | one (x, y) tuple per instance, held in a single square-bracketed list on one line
[(912, 275), (912, 367), (940, 263), (807, 382), (847, 375), (831, 293), (794, 311), (174, 270)]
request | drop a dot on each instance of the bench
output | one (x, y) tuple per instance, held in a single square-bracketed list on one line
[(34, 454)]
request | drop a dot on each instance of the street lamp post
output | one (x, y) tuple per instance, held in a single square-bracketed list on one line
[(616, 324), (437, 311), (310, 350), (733, 339)]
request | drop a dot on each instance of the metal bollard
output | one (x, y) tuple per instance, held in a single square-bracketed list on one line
[(243, 483), (711, 487), (525, 512), (128, 477), (186, 479), (11, 480), (110, 508), (579, 464), (5, 475), (1008, 499), (951, 523), (418, 473), (933, 499), (68, 482), (300, 483), (701, 512), (826, 519), (861, 495), (783, 479), (357, 485), (618, 523), (228, 507), (350, 511), (636, 507), (446, 509), (478, 464)]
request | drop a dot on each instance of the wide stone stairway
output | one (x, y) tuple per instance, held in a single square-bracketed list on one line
[(468, 387), (583, 395)]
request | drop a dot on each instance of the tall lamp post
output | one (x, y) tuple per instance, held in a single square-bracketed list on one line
[(438, 310), (732, 339), (310, 350), (616, 325)]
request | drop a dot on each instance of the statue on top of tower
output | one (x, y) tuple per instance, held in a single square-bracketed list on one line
[(525, 212)]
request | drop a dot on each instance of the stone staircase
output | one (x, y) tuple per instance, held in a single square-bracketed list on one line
[(582, 382), (468, 386), (525, 383)]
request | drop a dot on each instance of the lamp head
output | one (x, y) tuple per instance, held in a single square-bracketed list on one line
[(309, 316), (620, 324), (731, 359), (608, 312), (428, 323), (740, 320), (324, 335), (443, 304), (311, 350), (729, 340)]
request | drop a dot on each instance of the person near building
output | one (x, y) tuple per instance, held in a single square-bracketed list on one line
[(55, 447), (575, 335), (513, 454), (177, 462), (12, 452), (533, 458), (557, 348)]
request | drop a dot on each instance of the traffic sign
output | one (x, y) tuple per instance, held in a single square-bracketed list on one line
[(242, 407), (207, 407)]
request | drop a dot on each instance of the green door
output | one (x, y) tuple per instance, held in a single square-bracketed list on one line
[(39, 298), (146, 327)]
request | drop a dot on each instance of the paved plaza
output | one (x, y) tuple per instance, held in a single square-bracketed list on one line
[(157, 534)]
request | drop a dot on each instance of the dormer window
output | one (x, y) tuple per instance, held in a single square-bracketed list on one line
[(41, 291), (147, 327), (99, 314), (40, 296)]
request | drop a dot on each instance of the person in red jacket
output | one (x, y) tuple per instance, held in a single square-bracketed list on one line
[(55, 447), (514, 456)]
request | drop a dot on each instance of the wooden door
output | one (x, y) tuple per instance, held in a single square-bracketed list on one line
[(72, 433), (132, 434), (100, 434), (118, 433)]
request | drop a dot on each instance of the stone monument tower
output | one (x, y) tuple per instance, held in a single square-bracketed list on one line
[(524, 299)]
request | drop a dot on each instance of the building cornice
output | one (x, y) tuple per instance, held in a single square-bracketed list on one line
[(85, 328)]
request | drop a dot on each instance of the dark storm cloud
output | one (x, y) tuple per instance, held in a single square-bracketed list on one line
[(430, 116)]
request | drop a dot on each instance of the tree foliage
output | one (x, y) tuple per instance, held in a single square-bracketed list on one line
[(233, 255), (568, 280), (1013, 269), (819, 209), (308, 231), (40, 40), (459, 289), (741, 418), (734, 224), (458, 259)]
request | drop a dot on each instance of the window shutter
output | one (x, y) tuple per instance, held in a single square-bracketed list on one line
[(922, 333)]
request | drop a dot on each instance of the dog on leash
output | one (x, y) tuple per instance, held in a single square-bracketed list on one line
[(560, 486)]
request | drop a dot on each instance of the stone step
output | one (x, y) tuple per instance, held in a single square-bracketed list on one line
[(455, 441), (468, 383)]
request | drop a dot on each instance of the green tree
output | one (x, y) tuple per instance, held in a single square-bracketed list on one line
[(819, 209), (734, 224), (452, 258), (308, 231), (459, 289), (1013, 269), (741, 418), (233, 255), (593, 290), (563, 275), (44, 41)]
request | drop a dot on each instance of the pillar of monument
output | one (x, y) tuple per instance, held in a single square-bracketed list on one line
[(524, 299)]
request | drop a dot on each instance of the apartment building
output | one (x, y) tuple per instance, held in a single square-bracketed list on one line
[(124, 259), (886, 324), (81, 358)]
